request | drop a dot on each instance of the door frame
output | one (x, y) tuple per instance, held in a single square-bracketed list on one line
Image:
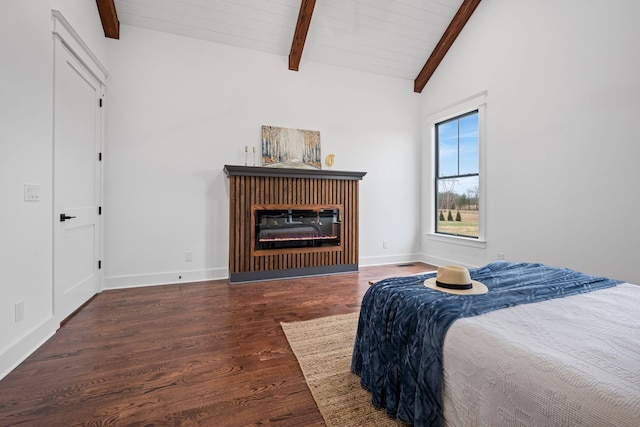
[(64, 34)]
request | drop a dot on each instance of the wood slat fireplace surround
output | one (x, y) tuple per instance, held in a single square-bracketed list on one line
[(253, 188)]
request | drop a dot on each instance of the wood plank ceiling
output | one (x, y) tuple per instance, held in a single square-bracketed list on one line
[(388, 37)]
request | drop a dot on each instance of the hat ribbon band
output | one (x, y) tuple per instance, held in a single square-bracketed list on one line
[(454, 286)]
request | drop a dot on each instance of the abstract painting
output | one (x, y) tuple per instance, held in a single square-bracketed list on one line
[(290, 148)]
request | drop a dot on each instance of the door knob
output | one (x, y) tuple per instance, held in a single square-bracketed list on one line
[(64, 217)]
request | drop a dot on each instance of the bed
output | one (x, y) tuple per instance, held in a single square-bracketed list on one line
[(544, 347)]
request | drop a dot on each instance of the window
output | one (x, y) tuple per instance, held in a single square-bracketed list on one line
[(455, 208), (457, 181)]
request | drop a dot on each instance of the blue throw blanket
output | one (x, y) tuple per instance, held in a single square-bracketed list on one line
[(402, 326)]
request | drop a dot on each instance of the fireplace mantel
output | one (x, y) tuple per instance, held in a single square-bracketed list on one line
[(332, 194), (231, 170)]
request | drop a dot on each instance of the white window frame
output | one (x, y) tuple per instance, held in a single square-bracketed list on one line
[(475, 102)]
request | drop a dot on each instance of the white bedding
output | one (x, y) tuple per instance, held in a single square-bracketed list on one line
[(572, 361)]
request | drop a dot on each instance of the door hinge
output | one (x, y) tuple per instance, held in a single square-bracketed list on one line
[(99, 264), (100, 102), (99, 210), (99, 157)]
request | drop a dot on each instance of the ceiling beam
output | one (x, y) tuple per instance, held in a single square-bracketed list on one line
[(109, 18), (455, 27), (300, 36)]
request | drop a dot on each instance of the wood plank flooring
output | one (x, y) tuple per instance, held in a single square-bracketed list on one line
[(205, 353)]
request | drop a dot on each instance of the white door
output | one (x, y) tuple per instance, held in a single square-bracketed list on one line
[(77, 136)]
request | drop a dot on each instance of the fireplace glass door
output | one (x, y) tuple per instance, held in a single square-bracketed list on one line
[(296, 227)]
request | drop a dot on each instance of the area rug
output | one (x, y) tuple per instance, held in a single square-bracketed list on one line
[(323, 348)]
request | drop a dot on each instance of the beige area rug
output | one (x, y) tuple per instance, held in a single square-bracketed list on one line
[(323, 348)]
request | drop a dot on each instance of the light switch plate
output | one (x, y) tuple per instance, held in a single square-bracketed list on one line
[(31, 192)]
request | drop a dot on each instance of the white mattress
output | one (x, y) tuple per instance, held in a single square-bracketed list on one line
[(572, 361)]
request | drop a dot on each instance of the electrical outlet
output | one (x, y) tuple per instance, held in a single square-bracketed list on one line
[(499, 256), (384, 244), (188, 256), (19, 311)]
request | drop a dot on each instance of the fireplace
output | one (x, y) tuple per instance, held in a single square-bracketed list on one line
[(278, 227), (291, 222)]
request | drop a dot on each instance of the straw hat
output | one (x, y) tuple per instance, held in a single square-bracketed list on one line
[(455, 280)]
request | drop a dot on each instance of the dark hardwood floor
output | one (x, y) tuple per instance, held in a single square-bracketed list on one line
[(204, 353)]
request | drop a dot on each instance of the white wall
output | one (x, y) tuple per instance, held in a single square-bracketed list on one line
[(562, 146), (26, 156), (179, 109)]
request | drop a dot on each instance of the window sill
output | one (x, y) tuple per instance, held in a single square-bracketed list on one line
[(456, 240)]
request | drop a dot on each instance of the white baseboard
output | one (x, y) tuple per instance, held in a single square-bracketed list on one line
[(439, 261), (16, 352), (398, 259), (166, 278), (385, 260)]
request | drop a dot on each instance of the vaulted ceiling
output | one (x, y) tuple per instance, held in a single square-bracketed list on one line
[(399, 38)]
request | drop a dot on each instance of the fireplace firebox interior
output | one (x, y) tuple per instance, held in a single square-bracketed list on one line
[(296, 228)]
